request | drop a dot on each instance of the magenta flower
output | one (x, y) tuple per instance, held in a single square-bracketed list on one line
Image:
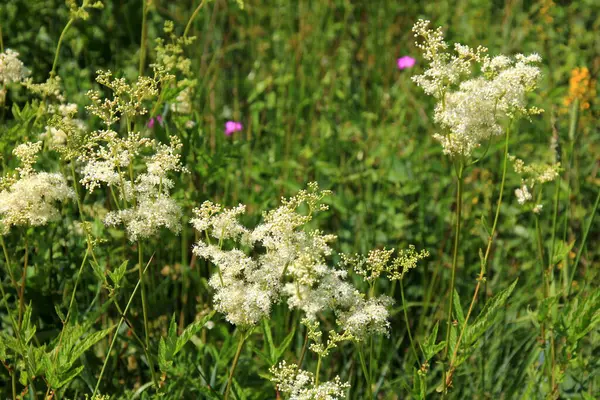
[(405, 62), (231, 127), (159, 119)]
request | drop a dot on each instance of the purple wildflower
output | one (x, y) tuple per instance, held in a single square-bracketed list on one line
[(405, 62), (231, 127)]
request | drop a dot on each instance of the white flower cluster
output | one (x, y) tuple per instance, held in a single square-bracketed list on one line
[(532, 175), (11, 68), (288, 262), (30, 199), (300, 384), (147, 206), (63, 126), (473, 109)]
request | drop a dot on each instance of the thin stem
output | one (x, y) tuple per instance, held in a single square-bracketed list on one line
[(365, 372), (13, 372), (318, 370), (303, 352), (412, 344), (8, 264), (23, 282), (143, 41), (60, 39), (235, 362), (459, 196), (145, 312), (114, 339), (194, 14), (540, 248), (583, 240), (482, 272)]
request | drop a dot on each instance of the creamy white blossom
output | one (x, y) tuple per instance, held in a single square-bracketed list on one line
[(30, 199), (300, 384), (472, 109), (523, 194), (287, 262), (11, 68)]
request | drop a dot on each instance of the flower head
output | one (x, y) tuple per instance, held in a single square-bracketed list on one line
[(405, 62), (231, 127)]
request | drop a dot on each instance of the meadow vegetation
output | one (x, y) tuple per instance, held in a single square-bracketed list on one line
[(228, 199)]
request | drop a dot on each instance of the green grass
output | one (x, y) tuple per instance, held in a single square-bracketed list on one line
[(316, 87)]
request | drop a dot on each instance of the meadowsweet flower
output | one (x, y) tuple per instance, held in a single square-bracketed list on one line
[(367, 317), (151, 206), (183, 102), (286, 261), (231, 127), (11, 68), (523, 194), (532, 177), (300, 384), (406, 62), (473, 109), (30, 199)]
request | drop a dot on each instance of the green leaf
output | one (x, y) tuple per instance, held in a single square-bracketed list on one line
[(117, 274), (487, 316), (561, 250), (164, 357), (68, 377), (269, 340), (285, 344), (458, 311), (191, 330), (88, 342)]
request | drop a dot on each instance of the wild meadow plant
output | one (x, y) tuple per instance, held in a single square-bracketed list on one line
[(127, 277)]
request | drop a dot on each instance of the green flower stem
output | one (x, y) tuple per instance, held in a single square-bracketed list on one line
[(60, 40), (459, 197), (318, 370), (235, 362), (143, 41), (412, 344), (194, 14), (303, 352), (23, 282), (145, 312), (13, 372), (583, 240), (484, 262), (540, 247), (365, 372)]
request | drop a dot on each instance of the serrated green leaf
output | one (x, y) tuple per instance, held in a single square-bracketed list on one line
[(117, 274), (191, 330), (458, 311), (88, 342), (68, 377), (561, 249), (487, 316), (164, 358)]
